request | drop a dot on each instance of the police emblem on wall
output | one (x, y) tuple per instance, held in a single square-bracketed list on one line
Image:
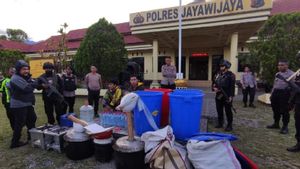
[(257, 3), (138, 19)]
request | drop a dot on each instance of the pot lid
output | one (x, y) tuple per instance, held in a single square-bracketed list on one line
[(73, 136), (123, 145)]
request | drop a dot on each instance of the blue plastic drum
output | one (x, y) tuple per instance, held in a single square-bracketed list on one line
[(185, 111), (153, 100)]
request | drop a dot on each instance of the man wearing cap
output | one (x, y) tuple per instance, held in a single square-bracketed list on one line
[(22, 100), (52, 87), (296, 101), (6, 96), (279, 98), (224, 80)]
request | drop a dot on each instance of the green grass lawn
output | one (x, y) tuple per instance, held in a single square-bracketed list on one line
[(265, 147)]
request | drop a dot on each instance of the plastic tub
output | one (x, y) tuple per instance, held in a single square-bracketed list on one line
[(65, 122), (153, 100), (186, 109), (165, 105)]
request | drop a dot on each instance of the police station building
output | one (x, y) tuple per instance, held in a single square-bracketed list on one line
[(211, 31)]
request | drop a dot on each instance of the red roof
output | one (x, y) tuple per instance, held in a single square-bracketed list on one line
[(285, 6), (123, 28), (13, 45), (77, 34), (51, 44)]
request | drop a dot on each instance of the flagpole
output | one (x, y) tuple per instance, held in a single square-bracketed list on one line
[(180, 75)]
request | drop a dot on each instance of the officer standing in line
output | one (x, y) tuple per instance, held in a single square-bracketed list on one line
[(224, 86), (52, 86), (21, 88), (6, 96), (280, 98), (296, 101)]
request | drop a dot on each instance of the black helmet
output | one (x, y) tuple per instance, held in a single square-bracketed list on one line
[(20, 64), (48, 65), (225, 63)]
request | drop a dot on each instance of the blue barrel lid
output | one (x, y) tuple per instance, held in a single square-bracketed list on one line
[(149, 93), (213, 137)]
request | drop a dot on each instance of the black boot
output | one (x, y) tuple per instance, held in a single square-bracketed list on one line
[(284, 130), (19, 144), (295, 148), (228, 127), (245, 105), (252, 105), (273, 126)]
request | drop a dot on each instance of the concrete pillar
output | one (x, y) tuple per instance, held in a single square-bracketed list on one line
[(209, 67), (155, 83), (234, 52), (187, 67)]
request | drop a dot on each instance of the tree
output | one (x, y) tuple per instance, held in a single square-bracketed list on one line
[(279, 38), (3, 37), (8, 58), (16, 35), (103, 47), (62, 47)]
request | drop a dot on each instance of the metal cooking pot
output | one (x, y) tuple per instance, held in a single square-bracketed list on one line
[(79, 145)]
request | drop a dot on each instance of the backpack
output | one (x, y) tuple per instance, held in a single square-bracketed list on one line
[(69, 83)]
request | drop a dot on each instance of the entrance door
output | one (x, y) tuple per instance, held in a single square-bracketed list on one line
[(198, 68)]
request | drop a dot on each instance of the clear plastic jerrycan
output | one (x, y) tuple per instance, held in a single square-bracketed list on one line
[(87, 113)]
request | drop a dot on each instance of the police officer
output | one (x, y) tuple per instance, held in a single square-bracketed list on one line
[(296, 101), (22, 100), (224, 86), (6, 96), (69, 88), (49, 82), (279, 98)]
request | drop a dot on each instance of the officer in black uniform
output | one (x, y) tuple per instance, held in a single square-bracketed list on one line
[(224, 86), (52, 86), (296, 101)]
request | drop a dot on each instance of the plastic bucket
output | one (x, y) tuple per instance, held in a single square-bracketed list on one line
[(65, 122), (186, 109), (165, 105), (153, 100)]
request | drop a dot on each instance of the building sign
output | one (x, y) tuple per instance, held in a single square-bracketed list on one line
[(199, 10)]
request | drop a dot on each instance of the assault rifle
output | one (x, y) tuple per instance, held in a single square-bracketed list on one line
[(293, 85), (52, 92), (224, 94)]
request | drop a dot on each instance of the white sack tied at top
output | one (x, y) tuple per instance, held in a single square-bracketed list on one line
[(212, 155), (156, 141), (130, 101)]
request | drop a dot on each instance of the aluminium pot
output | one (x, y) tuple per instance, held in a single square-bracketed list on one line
[(79, 146)]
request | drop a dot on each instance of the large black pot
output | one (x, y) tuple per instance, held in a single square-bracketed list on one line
[(103, 150), (79, 145), (129, 154), (132, 160), (79, 150)]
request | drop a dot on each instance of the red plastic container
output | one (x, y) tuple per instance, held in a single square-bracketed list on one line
[(165, 105)]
